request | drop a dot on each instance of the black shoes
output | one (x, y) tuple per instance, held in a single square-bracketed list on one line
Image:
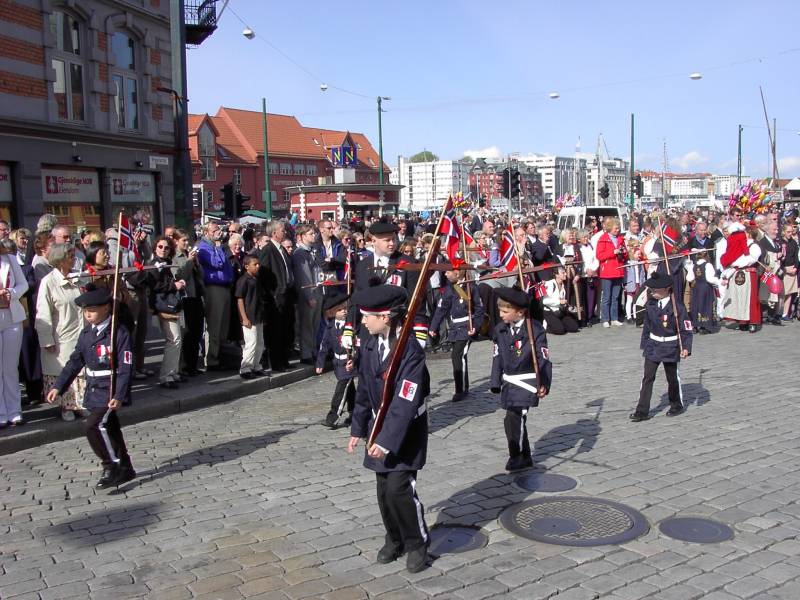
[(108, 478), (417, 559), (636, 417), (459, 396), (330, 420), (675, 411), (124, 475), (171, 385), (247, 375), (517, 463), (389, 553), (752, 328)]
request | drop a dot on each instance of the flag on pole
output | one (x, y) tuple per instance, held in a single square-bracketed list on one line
[(470, 241), (539, 290), (508, 258), (452, 231), (126, 240), (670, 237)]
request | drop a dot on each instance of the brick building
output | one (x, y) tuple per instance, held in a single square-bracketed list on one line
[(229, 148), (84, 132)]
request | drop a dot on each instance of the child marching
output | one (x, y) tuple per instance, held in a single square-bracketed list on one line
[(461, 305), (514, 371), (334, 309), (666, 338)]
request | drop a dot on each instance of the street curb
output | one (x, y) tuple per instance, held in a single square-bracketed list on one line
[(148, 406)]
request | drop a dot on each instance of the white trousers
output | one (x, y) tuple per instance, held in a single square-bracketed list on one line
[(10, 347), (253, 348), (172, 350)]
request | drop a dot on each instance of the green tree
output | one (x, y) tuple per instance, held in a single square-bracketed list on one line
[(424, 156), (468, 159)]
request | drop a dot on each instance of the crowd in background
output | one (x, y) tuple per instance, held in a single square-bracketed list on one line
[(228, 296)]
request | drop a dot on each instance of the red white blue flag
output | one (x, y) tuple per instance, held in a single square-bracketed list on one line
[(508, 258)]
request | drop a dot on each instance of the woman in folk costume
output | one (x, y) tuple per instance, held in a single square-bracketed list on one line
[(704, 292), (738, 262)]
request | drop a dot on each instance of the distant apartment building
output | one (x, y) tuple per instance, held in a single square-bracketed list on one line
[(428, 184), (559, 174)]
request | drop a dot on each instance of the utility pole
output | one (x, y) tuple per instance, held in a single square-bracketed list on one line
[(774, 149), (739, 159), (182, 166), (630, 184), (267, 192)]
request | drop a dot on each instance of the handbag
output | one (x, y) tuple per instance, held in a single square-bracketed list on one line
[(170, 303)]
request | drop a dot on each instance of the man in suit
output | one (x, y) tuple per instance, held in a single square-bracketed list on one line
[(278, 280), (377, 268), (541, 251), (305, 270), (701, 241)]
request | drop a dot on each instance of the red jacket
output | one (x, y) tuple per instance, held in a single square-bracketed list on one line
[(609, 261)]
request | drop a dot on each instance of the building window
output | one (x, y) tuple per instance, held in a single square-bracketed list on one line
[(237, 179), (68, 66), (286, 169), (299, 169), (208, 170), (209, 197), (286, 196), (311, 170), (125, 81), (206, 149), (273, 168)]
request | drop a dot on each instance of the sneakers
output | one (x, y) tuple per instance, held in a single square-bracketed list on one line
[(606, 324), (617, 323)]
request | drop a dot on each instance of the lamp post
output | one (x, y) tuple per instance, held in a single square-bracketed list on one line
[(267, 193), (380, 138)]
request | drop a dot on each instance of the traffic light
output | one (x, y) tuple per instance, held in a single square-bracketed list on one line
[(604, 191), (639, 186), (227, 197), (516, 184), (482, 202), (506, 182), (241, 200)]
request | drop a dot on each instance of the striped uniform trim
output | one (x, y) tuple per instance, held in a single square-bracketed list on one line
[(107, 440)]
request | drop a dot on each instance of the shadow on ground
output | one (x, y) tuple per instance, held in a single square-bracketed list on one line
[(694, 394), (102, 526)]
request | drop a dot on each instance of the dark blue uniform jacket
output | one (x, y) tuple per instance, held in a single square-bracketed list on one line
[(332, 345), (660, 332), (451, 305), (512, 357), (405, 429), (93, 352)]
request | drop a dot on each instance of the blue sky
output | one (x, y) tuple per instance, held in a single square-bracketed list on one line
[(475, 76)]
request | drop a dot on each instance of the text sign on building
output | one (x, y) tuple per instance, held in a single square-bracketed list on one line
[(158, 161), (132, 188), (344, 156), (5, 183), (62, 185)]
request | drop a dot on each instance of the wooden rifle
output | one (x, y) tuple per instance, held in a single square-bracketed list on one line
[(527, 271), (390, 375), (672, 287), (528, 320)]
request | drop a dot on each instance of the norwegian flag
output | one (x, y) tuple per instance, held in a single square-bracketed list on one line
[(765, 276), (539, 290), (452, 231), (126, 236), (348, 260), (670, 237), (508, 258), (470, 241)]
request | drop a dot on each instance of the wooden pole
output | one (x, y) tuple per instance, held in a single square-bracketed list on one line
[(672, 287), (112, 353), (466, 275), (531, 338)]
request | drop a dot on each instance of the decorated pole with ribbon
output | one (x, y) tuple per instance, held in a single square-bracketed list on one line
[(529, 319), (405, 332), (672, 288)]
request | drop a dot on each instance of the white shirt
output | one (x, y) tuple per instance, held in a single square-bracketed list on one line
[(100, 327)]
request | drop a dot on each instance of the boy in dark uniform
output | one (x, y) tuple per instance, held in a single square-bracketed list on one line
[(660, 345), (454, 304), (93, 351), (334, 308), (401, 446), (513, 376)]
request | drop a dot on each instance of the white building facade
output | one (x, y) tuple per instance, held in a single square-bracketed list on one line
[(560, 174), (428, 184)]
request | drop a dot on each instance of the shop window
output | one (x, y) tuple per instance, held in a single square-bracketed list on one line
[(67, 62)]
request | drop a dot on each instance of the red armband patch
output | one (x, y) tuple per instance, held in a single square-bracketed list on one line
[(127, 357), (687, 325), (545, 353), (408, 389)]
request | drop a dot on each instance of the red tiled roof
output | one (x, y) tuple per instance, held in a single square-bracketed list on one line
[(286, 136)]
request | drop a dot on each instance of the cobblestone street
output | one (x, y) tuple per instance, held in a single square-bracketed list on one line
[(255, 499)]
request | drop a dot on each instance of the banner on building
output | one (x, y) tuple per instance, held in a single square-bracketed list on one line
[(5, 184), (133, 188), (62, 185)]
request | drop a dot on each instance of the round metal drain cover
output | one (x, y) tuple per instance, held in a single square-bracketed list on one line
[(574, 521), (452, 539), (545, 482), (694, 529)]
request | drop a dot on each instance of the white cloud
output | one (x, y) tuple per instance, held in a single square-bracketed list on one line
[(789, 166), (490, 152), (689, 161)]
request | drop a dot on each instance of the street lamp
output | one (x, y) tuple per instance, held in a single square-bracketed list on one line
[(248, 33), (695, 76), (380, 138), (554, 95)]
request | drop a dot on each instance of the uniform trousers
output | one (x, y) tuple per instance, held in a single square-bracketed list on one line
[(218, 316), (401, 510), (344, 397), (105, 437), (139, 304), (673, 386), (253, 348), (10, 346), (170, 364), (460, 366), (192, 332), (517, 432)]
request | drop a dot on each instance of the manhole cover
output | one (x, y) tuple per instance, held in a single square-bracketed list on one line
[(452, 539), (545, 482), (574, 521), (693, 529)]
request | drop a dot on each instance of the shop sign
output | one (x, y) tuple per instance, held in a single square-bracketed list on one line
[(5, 183), (62, 185), (132, 188)]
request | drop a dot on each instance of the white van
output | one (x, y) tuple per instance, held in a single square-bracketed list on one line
[(576, 216)]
